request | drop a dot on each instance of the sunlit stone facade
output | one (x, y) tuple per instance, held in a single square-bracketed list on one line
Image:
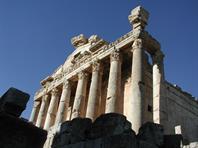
[(101, 77)]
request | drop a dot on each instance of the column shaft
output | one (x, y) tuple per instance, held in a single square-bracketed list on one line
[(51, 113), (80, 94), (159, 100), (137, 86), (64, 101), (93, 98), (113, 83), (35, 111), (42, 111)]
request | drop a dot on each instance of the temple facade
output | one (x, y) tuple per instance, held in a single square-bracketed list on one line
[(125, 76)]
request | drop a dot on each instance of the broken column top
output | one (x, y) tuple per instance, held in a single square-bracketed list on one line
[(138, 17)]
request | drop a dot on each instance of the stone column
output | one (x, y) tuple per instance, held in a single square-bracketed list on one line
[(64, 102), (93, 98), (42, 111), (113, 82), (159, 99), (35, 111), (101, 107), (51, 113), (80, 94), (135, 115)]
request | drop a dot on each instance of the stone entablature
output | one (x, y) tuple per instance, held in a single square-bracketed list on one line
[(101, 53)]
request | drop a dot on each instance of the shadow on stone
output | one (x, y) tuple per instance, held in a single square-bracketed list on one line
[(17, 132), (112, 131)]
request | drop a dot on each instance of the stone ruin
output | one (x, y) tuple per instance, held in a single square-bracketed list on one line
[(112, 131), (17, 132)]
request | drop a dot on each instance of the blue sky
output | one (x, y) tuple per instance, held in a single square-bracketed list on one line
[(35, 36)]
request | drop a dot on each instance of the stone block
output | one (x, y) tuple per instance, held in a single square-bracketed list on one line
[(72, 132), (108, 125), (14, 102), (151, 133)]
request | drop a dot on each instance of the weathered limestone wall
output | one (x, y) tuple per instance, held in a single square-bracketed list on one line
[(182, 110)]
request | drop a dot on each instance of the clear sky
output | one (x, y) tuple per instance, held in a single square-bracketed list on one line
[(35, 36)]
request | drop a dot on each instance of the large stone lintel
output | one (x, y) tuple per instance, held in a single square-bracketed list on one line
[(150, 43)]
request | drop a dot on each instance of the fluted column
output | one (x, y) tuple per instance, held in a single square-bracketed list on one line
[(159, 100), (93, 98), (42, 111), (64, 102), (137, 86), (80, 94), (51, 113), (113, 82), (35, 111)]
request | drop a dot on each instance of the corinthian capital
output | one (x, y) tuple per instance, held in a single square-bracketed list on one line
[(82, 75), (95, 65), (66, 84), (137, 44), (36, 103), (45, 97), (115, 55), (54, 92)]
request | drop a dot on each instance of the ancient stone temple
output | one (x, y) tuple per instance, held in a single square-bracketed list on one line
[(118, 77)]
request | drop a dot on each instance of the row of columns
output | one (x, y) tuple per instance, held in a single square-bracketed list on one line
[(136, 97)]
